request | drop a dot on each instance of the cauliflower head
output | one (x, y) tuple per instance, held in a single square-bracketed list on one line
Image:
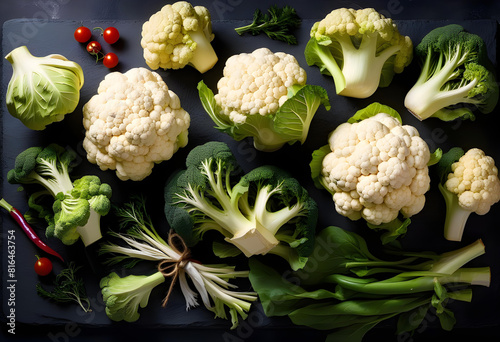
[(360, 48), (263, 95), (474, 180), (179, 35), (257, 83), (132, 123), (377, 168)]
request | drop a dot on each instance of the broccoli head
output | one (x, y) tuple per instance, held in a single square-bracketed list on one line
[(263, 211), (74, 208), (361, 49), (456, 76)]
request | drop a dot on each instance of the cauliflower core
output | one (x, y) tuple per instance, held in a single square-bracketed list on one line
[(474, 179), (377, 168), (132, 123), (257, 83)]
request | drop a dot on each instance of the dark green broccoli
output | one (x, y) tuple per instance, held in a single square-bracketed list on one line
[(76, 207), (263, 211), (456, 76)]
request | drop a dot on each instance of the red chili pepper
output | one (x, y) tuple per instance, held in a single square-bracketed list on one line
[(19, 218)]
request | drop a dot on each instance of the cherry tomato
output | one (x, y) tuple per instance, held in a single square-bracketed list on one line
[(82, 34), (110, 60), (43, 266), (93, 47), (111, 35)]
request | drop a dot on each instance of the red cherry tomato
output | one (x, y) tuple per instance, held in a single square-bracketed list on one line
[(93, 47), (82, 34), (111, 35), (43, 266), (110, 60)]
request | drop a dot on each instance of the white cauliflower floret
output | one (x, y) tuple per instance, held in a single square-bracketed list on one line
[(257, 83), (132, 123), (179, 35), (380, 161), (471, 186)]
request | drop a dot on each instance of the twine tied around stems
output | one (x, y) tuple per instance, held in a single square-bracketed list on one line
[(171, 268)]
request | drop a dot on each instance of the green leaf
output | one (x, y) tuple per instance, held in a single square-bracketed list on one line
[(444, 165), (293, 119), (372, 110), (278, 294), (411, 320), (225, 250), (435, 157), (393, 229), (207, 99), (316, 166)]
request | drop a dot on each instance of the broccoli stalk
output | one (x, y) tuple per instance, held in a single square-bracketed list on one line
[(251, 229), (454, 74), (76, 207), (265, 211)]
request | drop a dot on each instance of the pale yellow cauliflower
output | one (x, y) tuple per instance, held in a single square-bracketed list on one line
[(179, 35), (132, 123), (471, 186), (376, 169)]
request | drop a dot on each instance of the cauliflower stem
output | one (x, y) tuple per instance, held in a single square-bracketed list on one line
[(360, 49), (204, 56)]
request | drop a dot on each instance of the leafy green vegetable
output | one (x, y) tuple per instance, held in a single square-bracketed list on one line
[(346, 290), (289, 124), (263, 211), (277, 24), (42, 90), (124, 296), (67, 288)]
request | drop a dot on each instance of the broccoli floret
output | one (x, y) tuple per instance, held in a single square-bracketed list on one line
[(264, 211), (76, 207), (456, 76), (361, 49)]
